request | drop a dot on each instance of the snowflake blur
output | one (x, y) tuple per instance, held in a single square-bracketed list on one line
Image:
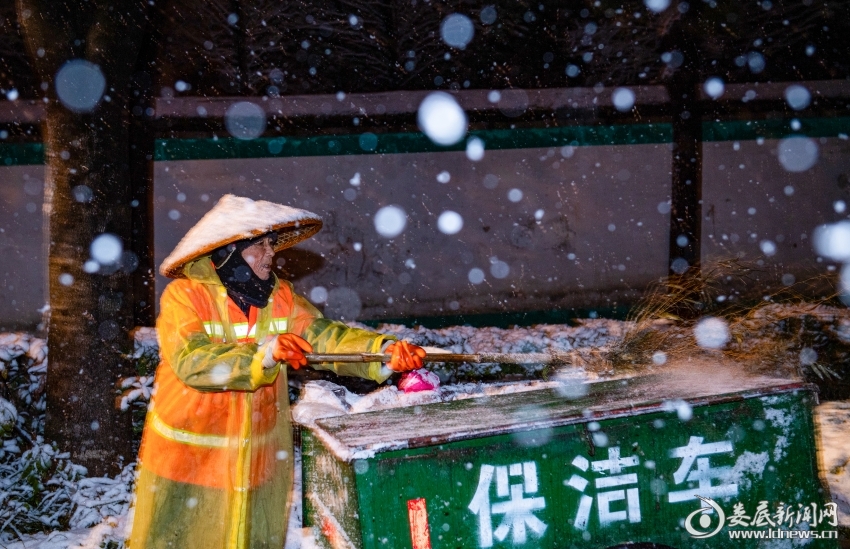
[(441, 119), (390, 221), (80, 85)]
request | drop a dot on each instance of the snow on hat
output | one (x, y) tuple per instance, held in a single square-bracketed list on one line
[(236, 218)]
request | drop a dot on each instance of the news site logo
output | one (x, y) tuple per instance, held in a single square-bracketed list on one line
[(710, 519), (705, 521)]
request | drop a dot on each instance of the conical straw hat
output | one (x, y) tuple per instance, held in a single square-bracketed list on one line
[(236, 218)]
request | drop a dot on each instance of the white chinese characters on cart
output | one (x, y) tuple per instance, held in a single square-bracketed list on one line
[(510, 500), (517, 511)]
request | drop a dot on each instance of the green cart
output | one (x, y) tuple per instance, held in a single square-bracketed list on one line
[(699, 455)]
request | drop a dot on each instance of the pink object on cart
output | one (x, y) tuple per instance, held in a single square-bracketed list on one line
[(419, 380)]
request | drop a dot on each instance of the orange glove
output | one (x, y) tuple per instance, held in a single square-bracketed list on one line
[(291, 348), (405, 356)]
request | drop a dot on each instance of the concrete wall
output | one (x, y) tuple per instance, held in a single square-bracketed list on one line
[(586, 224), (23, 266), (751, 202), (601, 237)]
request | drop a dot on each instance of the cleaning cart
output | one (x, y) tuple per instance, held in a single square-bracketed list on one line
[(697, 454)]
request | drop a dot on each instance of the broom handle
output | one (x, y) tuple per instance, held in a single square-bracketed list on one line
[(499, 358)]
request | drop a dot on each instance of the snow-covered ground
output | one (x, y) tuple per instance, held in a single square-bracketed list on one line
[(115, 527), (98, 507)]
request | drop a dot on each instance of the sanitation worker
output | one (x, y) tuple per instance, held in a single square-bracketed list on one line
[(216, 462)]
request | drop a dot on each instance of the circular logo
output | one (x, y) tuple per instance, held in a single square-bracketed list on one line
[(701, 531)]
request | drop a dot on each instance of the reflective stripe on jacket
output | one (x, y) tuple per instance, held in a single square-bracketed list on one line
[(215, 406)]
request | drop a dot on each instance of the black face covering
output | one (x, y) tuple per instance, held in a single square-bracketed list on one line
[(244, 287)]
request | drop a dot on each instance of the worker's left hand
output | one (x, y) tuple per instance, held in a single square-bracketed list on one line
[(405, 356)]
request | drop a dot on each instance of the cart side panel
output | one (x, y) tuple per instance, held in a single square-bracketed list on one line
[(330, 496), (597, 484)]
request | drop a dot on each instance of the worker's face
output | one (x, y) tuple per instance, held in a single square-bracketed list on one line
[(258, 256)]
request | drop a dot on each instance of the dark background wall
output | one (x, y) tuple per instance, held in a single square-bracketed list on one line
[(555, 66), (602, 234)]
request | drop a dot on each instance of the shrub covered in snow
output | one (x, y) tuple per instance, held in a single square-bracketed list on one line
[(37, 485), (8, 417), (136, 390), (40, 488), (101, 497), (23, 369)]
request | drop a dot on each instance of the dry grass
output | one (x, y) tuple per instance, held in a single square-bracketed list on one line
[(781, 332)]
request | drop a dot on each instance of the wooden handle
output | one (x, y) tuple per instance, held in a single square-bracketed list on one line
[(477, 358)]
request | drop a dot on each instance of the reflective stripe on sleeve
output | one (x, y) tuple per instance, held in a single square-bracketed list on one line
[(278, 326), (214, 329)]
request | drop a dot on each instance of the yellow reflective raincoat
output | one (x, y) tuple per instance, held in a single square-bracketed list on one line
[(216, 464)]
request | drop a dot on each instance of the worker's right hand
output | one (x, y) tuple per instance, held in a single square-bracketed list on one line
[(405, 356), (291, 348)]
